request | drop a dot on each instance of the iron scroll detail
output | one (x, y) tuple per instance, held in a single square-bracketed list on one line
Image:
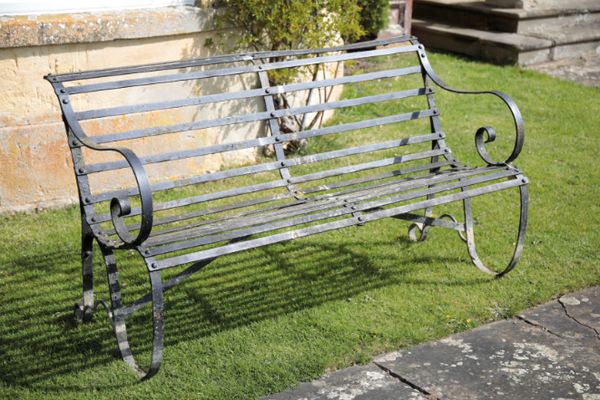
[(119, 207), (485, 134)]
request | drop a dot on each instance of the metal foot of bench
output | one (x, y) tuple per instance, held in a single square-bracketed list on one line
[(422, 228), (417, 232), (119, 324), (520, 237)]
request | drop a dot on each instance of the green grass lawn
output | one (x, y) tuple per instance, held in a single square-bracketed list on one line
[(261, 321)]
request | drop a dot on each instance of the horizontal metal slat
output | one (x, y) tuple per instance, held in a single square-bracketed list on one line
[(272, 223), (281, 206), (335, 200), (282, 183), (136, 69), (263, 141), (263, 116), (185, 76), (244, 94), (271, 166)]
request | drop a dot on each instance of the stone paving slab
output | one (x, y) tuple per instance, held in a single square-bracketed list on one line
[(506, 359), (355, 383), (584, 307), (550, 352), (574, 316)]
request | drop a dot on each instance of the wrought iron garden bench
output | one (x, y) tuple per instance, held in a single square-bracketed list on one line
[(187, 222)]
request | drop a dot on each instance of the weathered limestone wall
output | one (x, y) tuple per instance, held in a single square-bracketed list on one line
[(35, 166)]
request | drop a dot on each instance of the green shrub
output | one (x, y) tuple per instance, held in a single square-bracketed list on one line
[(373, 17), (290, 24)]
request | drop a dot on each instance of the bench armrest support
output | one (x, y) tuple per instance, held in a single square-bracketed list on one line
[(120, 207), (484, 134)]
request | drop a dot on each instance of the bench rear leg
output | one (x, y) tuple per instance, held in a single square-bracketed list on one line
[(524, 199), (119, 321), (85, 309)]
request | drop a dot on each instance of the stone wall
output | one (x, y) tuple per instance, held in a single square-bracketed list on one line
[(35, 165)]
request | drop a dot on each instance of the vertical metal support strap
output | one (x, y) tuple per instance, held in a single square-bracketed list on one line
[(274, 127)]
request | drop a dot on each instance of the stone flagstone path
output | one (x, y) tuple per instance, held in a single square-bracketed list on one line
[(550, 352)]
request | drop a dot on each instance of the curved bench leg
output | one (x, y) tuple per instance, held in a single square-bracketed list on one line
[(118, 321), (85, 309), (520, 236)]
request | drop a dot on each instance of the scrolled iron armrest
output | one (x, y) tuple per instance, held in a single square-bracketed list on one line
[(121, 207), (485, 134)]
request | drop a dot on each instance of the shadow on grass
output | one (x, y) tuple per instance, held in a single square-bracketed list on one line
[(41, 340)]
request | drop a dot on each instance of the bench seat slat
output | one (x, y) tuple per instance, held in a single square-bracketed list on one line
[(186, 76), (325, 208), (269, 185), (266, 199), (388, 212), (336, 199), (279, 206)]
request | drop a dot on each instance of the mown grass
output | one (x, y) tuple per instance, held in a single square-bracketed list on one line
[(262, 321)]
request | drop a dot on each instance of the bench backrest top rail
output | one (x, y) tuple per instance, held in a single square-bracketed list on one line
[(259, 55)]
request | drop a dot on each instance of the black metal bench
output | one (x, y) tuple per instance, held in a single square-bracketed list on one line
[(242, 207)]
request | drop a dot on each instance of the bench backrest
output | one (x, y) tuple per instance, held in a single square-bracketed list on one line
[(183, 118)]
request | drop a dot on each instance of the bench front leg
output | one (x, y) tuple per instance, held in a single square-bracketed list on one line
[(518, 251), (84, 310), (118, 320)]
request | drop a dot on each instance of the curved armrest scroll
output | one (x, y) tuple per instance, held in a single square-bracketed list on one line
[(486, 130), (119, 207)]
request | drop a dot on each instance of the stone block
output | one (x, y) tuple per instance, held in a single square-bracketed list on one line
[(355, 383), (503, 360)]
